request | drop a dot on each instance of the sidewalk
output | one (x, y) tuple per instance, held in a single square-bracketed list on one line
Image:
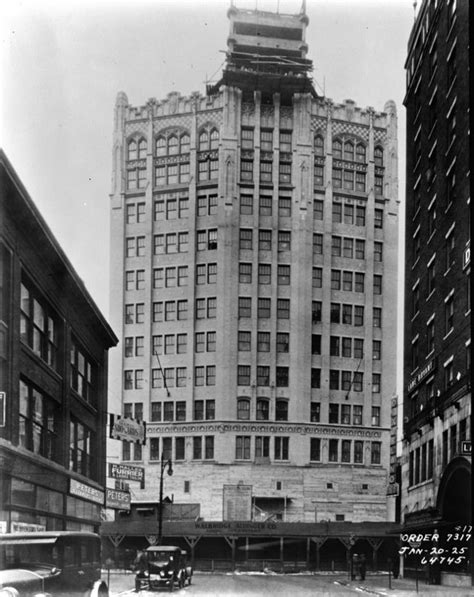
[(406, 587)]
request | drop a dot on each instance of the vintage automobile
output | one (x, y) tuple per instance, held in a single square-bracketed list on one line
[(187, 568), (160, 566), (50, 564)]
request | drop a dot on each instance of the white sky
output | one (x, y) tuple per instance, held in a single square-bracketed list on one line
[(63, 62)]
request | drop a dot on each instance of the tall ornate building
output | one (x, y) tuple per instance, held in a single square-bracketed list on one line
[(436, 474), (254, 237)]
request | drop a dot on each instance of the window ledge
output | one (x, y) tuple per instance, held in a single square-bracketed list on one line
[(448, 334)]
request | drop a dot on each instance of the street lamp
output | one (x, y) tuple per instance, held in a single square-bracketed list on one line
[(164, 464)]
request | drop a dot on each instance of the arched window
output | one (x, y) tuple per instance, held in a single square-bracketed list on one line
[(349, 151), (184, 144), (360, 153), (172, 145), (337, 149), (378, 156), (243, 409), (318, 145), (263, 410), (142, 149), (132, 150), (214, 139), (161, 146), (203, 141)]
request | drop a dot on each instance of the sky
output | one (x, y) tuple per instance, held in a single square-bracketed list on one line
[(62, 64)]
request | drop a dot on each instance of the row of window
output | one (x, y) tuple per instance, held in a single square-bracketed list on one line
[(339, 414), (265, 205), (343, 212), (39, 429), (346, 314), (264, 240), (345, 451), (173, 144), (341, 313), (39, 329)]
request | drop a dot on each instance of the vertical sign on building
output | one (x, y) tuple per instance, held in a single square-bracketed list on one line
[(3, 399)]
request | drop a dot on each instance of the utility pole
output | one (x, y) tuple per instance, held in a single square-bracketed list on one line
[(164, 464)]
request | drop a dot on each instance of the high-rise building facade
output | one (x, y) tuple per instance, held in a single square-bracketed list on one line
[(436, 472), (254, 237)]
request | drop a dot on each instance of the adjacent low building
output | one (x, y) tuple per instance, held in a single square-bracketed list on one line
[(54, 346)]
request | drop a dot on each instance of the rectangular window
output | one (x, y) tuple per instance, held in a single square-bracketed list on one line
[(262, 446), (264, 308), (283, 308), (265, 202), (378, 218), (348, 248), (282, 342), (377, 317), (246, 205), (263, 341), (199, 376), (316, 311), (317, 244), (378, 251), (263, 375), (317, 277), (284, 207), (284, 240), (316, 344), (375, 453), (245, 273), (315, 415), (449, 314), (315, 449), (242, 447), (264, 240), (210, 375), (318, 209), (197, 448), (245, 307), (283, 275), (243, 375), (333, 450), (282, 448), (345, 450), (264, 273), (376, 383), (282, 377), (211, 341), (245, 239), (315, 378), (377, 284), (360, 215), (336, 279)]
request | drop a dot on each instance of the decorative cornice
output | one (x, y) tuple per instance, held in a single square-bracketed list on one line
[(262, 427)]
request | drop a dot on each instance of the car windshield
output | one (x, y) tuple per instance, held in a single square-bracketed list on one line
[(160, 557)]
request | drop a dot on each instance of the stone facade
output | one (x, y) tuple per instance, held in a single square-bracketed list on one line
[(265, 229)]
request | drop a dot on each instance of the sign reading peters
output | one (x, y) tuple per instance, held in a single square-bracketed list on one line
[(127, 429)]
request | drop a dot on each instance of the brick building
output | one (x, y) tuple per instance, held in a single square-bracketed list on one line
[(254, 236), (53, 377), (436, 473)]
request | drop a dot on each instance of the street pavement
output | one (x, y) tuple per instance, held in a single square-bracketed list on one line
[(121, 584)]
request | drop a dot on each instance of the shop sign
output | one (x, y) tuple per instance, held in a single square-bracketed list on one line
[(130, 430), (466, 448), (120, 500), (393, 489), (466, 257), (27, 527), (3, 399), (419, 377), (86, 492), (3, 527), (126, 472)]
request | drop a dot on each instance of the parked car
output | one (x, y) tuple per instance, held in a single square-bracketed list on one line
[(51, 564), (187, 568), (160, 566)]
